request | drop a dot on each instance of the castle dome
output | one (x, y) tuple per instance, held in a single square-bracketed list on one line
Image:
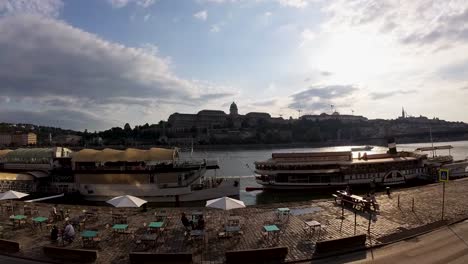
[(233, 109)]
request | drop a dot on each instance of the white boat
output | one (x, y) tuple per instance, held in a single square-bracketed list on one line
[(334, 169), (364, 148), (156, 175)]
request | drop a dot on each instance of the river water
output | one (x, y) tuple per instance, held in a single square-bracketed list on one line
[(239, 163)]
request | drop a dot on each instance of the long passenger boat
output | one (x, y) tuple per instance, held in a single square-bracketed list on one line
[(335, 169), (155, 174)]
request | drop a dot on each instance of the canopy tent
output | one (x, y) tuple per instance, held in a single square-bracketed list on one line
[(225, 203), (129, 155), (126, 201)]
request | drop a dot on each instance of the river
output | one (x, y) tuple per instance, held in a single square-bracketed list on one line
[(239, 163)]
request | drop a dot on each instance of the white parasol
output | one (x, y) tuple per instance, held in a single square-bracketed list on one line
[(12, 195), (126, 201), (225, 203)]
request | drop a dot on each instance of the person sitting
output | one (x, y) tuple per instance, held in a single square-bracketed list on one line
[(68, 232), (187, 224), (54, 233), (201, 223)]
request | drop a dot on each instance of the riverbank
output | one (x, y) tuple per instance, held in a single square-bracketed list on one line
[(397, 218), (264, 146)]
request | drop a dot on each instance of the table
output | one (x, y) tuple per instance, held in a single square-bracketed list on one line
[(88, 234), (197, 234), (341, 192), (148, 238), (119, 218), (361, 201), (312, 225), (161, 215), (18, 218), (273, 230), (282, 212), (156, 225), (87, 237), (232, 229), (120, 228), (233, 220), (39, 220)]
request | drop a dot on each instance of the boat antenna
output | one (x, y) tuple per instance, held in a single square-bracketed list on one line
[(432, 142), (191, 150)]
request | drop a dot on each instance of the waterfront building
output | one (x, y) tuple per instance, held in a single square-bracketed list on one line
[(24, 169), (19, 139)]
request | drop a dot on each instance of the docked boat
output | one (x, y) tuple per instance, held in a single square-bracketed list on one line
[(335, 169), (364, 148), (156, 175)]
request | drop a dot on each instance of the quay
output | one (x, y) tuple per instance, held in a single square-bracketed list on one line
[(406, 212)]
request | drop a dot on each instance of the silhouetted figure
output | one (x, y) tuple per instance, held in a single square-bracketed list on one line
[(201, 223), (54, 233), (388, 192), (187, 224)]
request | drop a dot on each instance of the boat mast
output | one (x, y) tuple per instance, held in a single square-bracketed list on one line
[(432, 142)]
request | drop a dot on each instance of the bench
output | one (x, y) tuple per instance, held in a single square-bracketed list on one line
[(336, 197), (78, 255), (160, 258), (263, 255), (341, 245), (8, 246)]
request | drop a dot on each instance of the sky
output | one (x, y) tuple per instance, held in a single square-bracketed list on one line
[(99, 64)]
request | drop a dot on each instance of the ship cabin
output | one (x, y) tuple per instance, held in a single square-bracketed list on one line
[(108, 171), (337, 167)]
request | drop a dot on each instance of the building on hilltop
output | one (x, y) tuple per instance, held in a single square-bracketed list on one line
[(335, 116), (18, 139), (233, 110), (211, 119)]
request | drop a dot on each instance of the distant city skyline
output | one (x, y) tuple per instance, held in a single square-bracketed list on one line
[(99, 64)]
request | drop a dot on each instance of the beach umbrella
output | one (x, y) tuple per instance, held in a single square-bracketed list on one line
[(225, 203), (11, 195), (126, 201)]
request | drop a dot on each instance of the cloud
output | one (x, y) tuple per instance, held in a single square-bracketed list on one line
[(123, 3), (49, 65), (215, 28), (319, 98), (411, 22), (296, 3), (49, 8), (202, 15), (307, 35), (69, 119), (382, 95), (145, 18), (326, 73)]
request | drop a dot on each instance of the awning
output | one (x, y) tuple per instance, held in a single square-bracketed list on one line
[(6, 176), (38, 174), (130, 155)]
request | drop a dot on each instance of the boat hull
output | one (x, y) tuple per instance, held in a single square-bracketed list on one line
[(228, 187)]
